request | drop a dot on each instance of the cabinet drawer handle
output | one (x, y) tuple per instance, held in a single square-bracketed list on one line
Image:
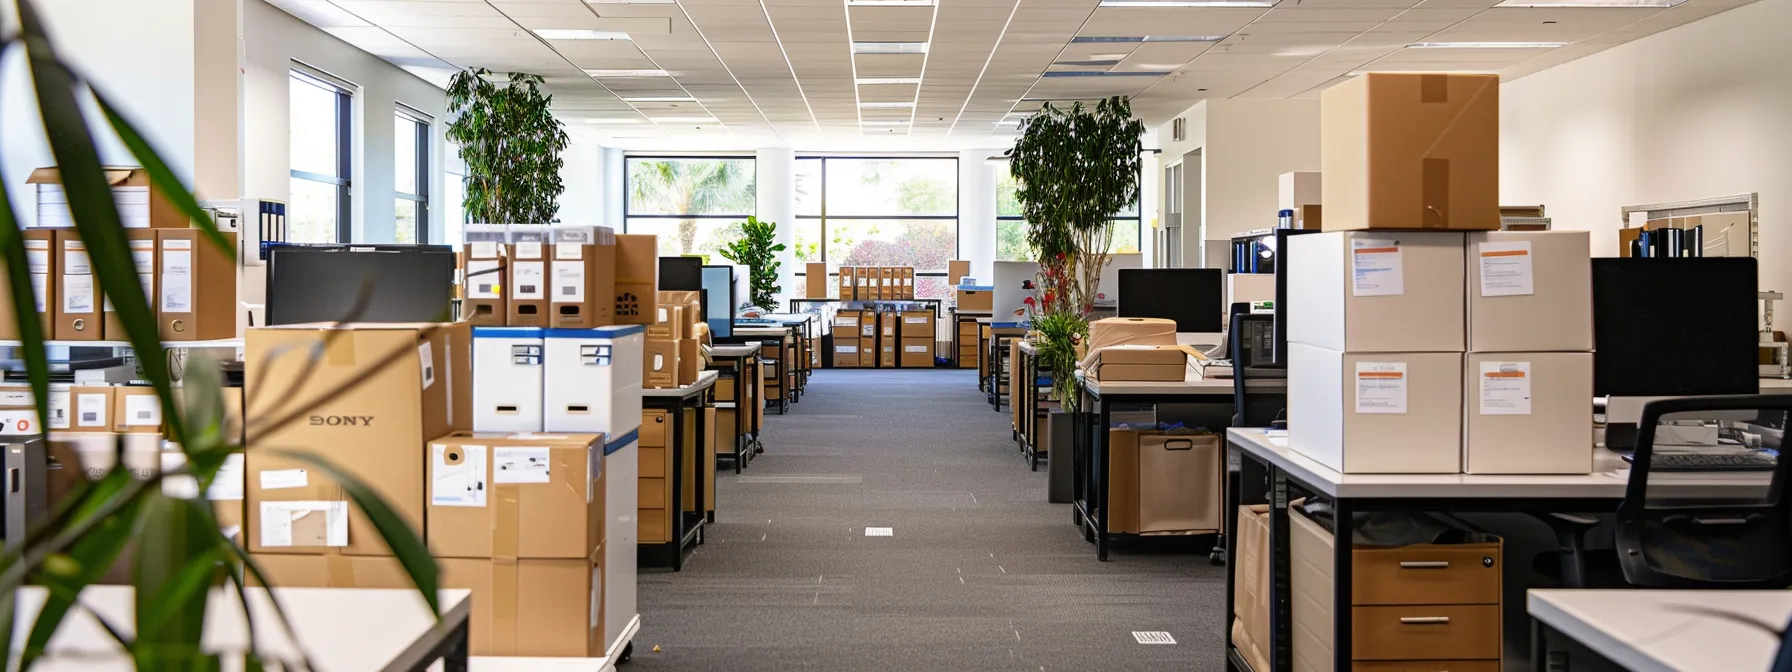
[(1434, 564), (1425, 620)]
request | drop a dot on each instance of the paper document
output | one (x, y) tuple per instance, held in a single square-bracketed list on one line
[(1375, 268)]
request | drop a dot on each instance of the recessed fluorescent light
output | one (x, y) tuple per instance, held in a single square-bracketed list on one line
[(624, 72), (888, 104), (1486, 45), (883, 122), (684, 120), (1552, 4), (1095, 63), (1359, 73), (1188, 3), (660, 99), (1102, 39), (1099, 73), (889, 47), (889, 3), (564, 34), (864, 81)]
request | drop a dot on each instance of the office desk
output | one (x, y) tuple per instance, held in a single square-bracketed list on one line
[(1027, 401), (967, 336), (343, 629), (992, 365), (802, 325), (1664, 630), (667, 525), (1089, 459), (742, 397), (1269, 471), (776, 355)]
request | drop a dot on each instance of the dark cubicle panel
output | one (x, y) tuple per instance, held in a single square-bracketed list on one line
[(1283, 259), (365, 283), (681, 274), (1675, 326), (1193, 297)]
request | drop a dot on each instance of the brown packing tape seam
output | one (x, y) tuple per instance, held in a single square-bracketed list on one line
[(504, 576), (340, 351), (339, 570), (506, 517), (1435, 189), (1434, 88)]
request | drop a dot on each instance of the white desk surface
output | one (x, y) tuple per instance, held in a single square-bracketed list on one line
[(1775, 385), (497, 664), (705, 380), (1601, 485), (761, 331), (1193, 388), (740, 350), (1669, 630), (344, 629)]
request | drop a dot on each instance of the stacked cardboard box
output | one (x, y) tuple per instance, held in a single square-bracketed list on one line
[(875, 283), (191, 289), (917, 339), (852, 347), (562, 276), (673, 356)]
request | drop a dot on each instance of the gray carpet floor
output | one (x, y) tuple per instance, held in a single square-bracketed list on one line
[(980, 574)]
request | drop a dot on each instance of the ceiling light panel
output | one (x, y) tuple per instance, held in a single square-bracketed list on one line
[(1486, 45), (640, 72), (889, 47), (1236, 4), (571, 34), (1633, 4), (660, 99), (889, 3), (684, 120), (886, 104), (880, 81)]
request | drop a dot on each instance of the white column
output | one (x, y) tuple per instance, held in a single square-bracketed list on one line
[(977, 211), (1151, 174), (777, 203), (612, 178), (581, 176)]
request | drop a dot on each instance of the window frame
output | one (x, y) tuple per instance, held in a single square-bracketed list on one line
[(1137, 217), (425, 132), (957, 216), (628, 188), (345, 156)]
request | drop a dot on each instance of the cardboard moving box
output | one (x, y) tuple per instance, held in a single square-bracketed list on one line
[(484, 275), (502, 495), (670, 324), (1524, 413), (637, 278), (1372, 291), (660, 364), (690, 361), (140, 204), (917, 353), (815, 276), (1377, 412), (197, 286), (532, 607), (846, 354), (136, 410), (411, 383), (583, 277), (1411, 151), (79, 317), (334, 571), (529, 282), (1529, 291)]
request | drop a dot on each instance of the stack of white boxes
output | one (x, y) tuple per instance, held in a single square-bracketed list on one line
[(1441, 353), (1529, 368)]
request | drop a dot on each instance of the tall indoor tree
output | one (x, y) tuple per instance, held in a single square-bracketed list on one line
[(511, 142), (692, 187)]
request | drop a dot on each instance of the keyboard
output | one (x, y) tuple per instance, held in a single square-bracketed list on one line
[(1728, 460)]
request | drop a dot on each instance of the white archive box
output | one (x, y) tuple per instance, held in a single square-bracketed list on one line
[(1530, 291), (592, 380), (1377, 291), (507, 379), (1528, 413), (1376, 412)]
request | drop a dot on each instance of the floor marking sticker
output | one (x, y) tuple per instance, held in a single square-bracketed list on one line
[(880, 531), (1153, 637)]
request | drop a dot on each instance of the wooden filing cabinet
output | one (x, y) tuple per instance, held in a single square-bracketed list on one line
[(654, 494), (967, 345)]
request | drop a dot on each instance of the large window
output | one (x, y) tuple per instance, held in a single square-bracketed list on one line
[(319, 209), (694, 204), (410, 161), (854, 211), (1011, 227)]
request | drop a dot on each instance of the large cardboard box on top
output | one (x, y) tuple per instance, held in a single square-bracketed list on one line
[(1376, 291), (637, 278), (1376, 412), (375, 393), (815, 277), (140, 203), (1530, 291), (1411, 151), (503, 495), (532, 607)]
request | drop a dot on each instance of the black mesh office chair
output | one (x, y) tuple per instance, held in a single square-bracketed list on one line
[(1686, 535)]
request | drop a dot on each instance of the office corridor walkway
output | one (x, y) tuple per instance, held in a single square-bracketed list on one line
[(980, 573)]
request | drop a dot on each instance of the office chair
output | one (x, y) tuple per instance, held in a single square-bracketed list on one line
[(1678, 538), (1245, 359)]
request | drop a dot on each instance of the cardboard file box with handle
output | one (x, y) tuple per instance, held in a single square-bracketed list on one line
[(197, 285), (637, 278), (485, 275), (593, 380), (507, 390), (529, 276), (583, 277), (42, 267), (78, 318), (503, 495), (142, 243), (1181, 483)]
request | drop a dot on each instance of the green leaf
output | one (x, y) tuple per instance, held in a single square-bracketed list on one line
[(404, 542), (30, 322), (177, 561), (109, 509)]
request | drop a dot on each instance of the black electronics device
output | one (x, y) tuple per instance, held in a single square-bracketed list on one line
[(1193, 297), (1674, 326), (681, 274), (1283, 259), (327, 283), (718, 300)]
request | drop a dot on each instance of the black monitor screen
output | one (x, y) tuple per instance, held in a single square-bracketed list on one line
[(1669, 327), (1193, 297), (327, 283), (718, 289), (681, 274)]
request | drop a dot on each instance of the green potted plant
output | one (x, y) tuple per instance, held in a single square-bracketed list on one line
[(511, 142), (180, 554), (757, 249)]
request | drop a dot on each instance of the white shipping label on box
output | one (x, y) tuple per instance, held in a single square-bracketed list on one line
[(530, 250), (228, 484), (1381, 387), (847, 349), (37, 256), (77, 294), (914, 348), (287, 524), (59, 408), (177, 279), (426, 359), (483, 250), (484, 279), (530, 278), (143, 255), (281, 479), (569, 281), (1375, 268), (1505, 388), (40, 288), (74, 259), (518, 464), (17, 396), (90, 410), (914, 320), (142, 410), (457, 476), (1506, 269), (569, 251)]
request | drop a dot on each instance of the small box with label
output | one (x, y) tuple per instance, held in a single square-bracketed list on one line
[(1376, 291), (1529, 291), (135, 410), (507, 362), (1376, 412), (528, 292), (582, 277), (484, 275), (504, 495), (1527, 413)]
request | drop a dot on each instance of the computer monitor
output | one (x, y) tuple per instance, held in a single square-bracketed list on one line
[(1674, 327), (1283, 257), (326, 283), (681, 274), (718, 300), (1193, 297)]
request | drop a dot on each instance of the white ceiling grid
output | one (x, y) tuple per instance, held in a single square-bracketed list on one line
[(748, 73)]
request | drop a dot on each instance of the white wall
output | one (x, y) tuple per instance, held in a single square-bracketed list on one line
[(274, 40), (1244, 145), (977, 210), (775, 190), (1697, 111), (582, 177)]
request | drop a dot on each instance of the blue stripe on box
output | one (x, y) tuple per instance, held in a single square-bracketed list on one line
[(632, 436), (617, 331)]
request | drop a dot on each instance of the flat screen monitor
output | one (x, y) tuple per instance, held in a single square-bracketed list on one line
[(1282, 256), (681, 274), (1674, 327), (364, 283), (718, 300), (1193, 297)]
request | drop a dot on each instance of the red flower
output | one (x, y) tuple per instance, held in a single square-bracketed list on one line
[(1048, 297)]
